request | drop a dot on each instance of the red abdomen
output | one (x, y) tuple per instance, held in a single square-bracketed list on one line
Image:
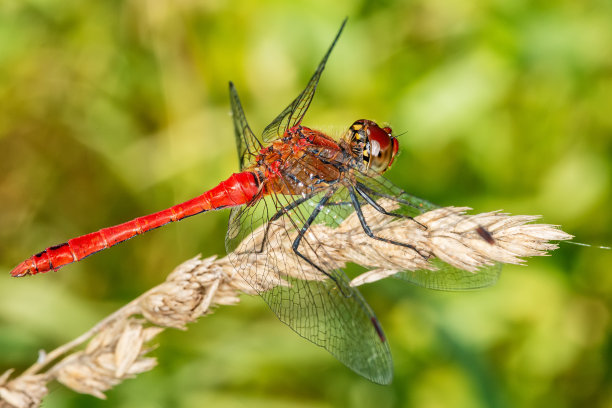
[(238, 189)]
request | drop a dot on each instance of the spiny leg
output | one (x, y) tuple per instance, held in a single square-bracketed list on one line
[(363, 190), (338, 203), (290, 207), (279, 214), (368, 230), (305, 227), (368, 190), (380, 209)]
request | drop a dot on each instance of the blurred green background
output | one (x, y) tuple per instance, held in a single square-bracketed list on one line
[(111, 110)]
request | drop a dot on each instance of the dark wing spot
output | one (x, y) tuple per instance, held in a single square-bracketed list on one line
[(379, 331), (486, 235)]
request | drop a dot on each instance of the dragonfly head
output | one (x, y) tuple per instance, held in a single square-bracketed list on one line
[(374, 144)]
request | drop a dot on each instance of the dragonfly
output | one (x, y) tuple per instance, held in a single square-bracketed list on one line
[(291, 179)]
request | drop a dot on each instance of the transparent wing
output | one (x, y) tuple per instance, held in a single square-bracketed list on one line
[(294, 113), (445, 277), (307, 290), (246, 142), (379, 187), (449, 278)]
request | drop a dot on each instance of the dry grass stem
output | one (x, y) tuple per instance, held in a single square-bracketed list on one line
[(117, 346)]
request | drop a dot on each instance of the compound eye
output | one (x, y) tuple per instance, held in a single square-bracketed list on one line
[(395, 149), (374, 148), (382, 147)]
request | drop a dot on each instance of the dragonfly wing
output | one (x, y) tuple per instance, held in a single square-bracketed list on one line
[(378, 187), (314, 299), (449, 278), (294, 113), (445, 277), (247, 143)]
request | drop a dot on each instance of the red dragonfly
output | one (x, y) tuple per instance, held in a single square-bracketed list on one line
[(291, 178)]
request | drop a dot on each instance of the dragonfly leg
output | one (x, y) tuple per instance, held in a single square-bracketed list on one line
[(368, 190), (338, 203), (364, 191), (279, 214), (296, 243), (290, 207), (380, 209), (368, 230)]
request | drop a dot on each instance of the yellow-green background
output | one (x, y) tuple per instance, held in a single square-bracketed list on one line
[(110, 110)]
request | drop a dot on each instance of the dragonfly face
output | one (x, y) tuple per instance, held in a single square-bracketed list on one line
[(376, 146)]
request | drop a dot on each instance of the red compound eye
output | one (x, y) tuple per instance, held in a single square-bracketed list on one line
[(378, 135), (395, 149)]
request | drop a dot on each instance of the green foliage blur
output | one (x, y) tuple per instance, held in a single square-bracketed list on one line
[(111, 110)]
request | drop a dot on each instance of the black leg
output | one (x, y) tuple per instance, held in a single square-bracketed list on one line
[(279, 214), (338, 203), (380, 209), (290, 207), (363, 191), (368, 231), (368, 190), (305, 227)]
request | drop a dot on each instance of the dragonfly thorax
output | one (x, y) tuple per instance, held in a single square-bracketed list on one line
[(303, 161)]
